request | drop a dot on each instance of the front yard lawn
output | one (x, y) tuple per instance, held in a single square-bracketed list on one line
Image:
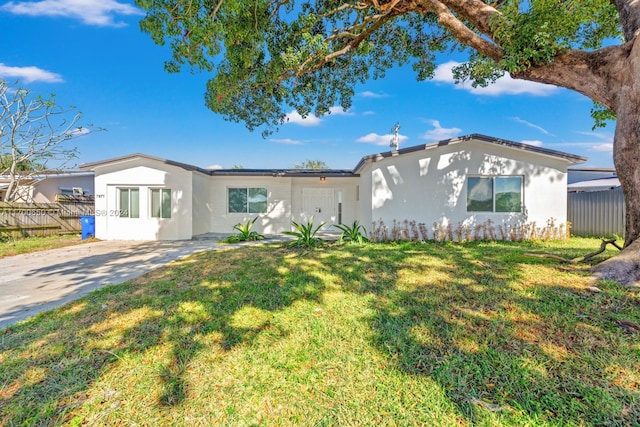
[(378, 334), (9, 247)]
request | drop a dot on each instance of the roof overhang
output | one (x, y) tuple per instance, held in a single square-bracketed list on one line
[(571, 159), (139, 156)]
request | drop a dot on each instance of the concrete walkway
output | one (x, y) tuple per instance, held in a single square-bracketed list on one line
[(40, 281)]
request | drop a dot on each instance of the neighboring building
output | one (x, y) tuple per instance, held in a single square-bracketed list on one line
[(50, 186), (595, 204), (592, 179), (464, 181), (588, 174)]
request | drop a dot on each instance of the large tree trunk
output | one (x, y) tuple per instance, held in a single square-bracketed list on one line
[(625, 267)]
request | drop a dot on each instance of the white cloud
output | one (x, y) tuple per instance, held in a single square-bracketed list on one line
[(605, 145), (339, 111), (78, 132), (215, 167), (535, 142), (296, 118), (602, 147), (368, 113), (312, 119), (91, 12), (438, 133), (287, 141), (369, 94), (503, 86), (531, 125), (375, 139), (28, 74)]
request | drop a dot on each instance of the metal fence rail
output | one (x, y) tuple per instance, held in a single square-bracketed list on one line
[(597, 213), (43, 219)]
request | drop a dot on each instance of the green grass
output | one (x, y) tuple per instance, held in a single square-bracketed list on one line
[(377, 334), (32, 244)]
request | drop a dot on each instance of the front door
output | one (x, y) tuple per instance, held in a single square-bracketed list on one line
[(319, 204)]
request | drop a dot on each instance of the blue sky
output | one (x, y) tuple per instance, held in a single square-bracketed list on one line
[(92, 55)]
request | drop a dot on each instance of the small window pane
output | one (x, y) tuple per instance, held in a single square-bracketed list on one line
[(479, 194), (166, 203), (508, 194), (155, 203), (134, 211), (257, 200), (123, 206), (237, 200)]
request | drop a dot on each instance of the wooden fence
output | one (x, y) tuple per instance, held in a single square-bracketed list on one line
[(44, 219)]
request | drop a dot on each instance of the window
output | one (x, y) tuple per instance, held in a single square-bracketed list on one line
[(247, 200), (494, 194), (128, 202), (160, 203)]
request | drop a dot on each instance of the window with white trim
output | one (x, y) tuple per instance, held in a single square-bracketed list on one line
[(247, 200), (494, 193), (160, 203), (129, 202)]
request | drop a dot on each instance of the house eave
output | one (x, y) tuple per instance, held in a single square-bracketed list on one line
[(570, 158), (291, 173), (136, 156)]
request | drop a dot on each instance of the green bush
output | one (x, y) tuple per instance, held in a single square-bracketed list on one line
[(244, 232), (305, 234), (355, 234)]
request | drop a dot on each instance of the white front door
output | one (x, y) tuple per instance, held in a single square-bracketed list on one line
[(319, 204)]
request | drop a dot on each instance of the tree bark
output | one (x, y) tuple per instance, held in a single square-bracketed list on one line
[(626, 144), (625, 267)]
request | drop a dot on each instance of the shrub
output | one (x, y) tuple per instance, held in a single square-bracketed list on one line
[(305, 234), (486, 231), (244, 232), (355, 234)]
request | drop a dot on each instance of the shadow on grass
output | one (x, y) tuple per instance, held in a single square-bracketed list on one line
[(506, 338), (46, 367), (502, 345)]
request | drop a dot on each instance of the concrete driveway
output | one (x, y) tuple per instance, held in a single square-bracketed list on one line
[(40, 281)]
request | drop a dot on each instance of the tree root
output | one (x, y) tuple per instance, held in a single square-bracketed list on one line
[(579, 259)]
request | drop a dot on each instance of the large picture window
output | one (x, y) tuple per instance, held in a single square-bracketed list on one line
[(494, 194), (160, 203), (247, 200), (129, 202)]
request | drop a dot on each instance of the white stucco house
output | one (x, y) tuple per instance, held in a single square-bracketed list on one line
[(466, 180)]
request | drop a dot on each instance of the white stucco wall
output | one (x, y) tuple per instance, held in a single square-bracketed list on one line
[(344, 187), (144, 174), (278, 213), (430, 186), (202, 204)]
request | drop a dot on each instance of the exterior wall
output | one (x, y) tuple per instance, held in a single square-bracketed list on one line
[(430, 185), (277, 218), (145, 175), (365, 199), (202, 204), (343, 187), (45, 191)]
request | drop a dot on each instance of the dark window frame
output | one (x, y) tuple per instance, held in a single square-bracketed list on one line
[(500, 201)]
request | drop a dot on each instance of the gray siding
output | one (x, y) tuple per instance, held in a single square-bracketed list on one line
[(597, 213)]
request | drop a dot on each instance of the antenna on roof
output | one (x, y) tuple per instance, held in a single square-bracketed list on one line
[(395, 141)]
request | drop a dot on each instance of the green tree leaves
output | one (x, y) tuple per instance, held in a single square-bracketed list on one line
[(267, 57)]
